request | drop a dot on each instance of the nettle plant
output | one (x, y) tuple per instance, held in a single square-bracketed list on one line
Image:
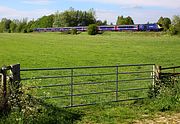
[(165, 93), (1, 95), (166, 85), (19, 101)]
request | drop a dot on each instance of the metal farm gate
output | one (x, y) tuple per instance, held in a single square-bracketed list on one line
[(80, 86)]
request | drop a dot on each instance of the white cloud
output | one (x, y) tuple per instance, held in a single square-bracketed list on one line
[(17, 14), (110, 16), (138, 15), (141, 10), (38, 2), (134, 8), (157, 3)]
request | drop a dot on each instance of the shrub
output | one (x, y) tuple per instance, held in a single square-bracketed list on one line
[(29, 30), (172, 30), (92, 29), (1, 97), (166, 82), (165, 94), (66, 32), (74, 31), (176, 23)]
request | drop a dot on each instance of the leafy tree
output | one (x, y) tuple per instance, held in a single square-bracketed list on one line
[(129, 21), (68, 18), (72, 17), (99, 22), (120, 20), (164, 23), (44, 22), (124, 20), (1, 27), (176, 23), (172, 30), (90, 18), (29, 26), (5, 25), (160, 21), (22, 25), (57, 19), (105, 22), (13, 26)]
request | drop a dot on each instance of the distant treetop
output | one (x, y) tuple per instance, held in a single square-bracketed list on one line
[(124, 20)]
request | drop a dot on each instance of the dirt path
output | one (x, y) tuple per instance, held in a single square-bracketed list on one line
[(161, 119)]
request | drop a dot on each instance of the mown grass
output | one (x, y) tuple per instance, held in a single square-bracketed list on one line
[(112, 48), (55, 50)]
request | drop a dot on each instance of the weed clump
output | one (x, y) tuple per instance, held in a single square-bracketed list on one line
[(165, 94), (92, 29)]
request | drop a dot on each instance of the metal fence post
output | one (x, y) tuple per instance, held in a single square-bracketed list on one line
[(117, 81), (71, 88)]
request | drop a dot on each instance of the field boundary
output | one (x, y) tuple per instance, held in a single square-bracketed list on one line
[(110, 83)]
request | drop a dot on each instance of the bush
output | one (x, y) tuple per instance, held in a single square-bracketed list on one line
[(176, 23), (160, 87), (66, 32), (1, 97), (26, 109), (92, 29), (74, 31), (172, 30), (165, 94), (29, 30)]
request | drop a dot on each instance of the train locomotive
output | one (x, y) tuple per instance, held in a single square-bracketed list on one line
[(136, 27)]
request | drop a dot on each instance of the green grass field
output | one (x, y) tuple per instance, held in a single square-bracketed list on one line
[(55, 50), (40, 50)]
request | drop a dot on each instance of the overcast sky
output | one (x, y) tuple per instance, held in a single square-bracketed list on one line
[(142, 11)]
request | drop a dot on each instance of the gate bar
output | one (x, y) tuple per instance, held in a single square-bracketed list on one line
[(82, 67)]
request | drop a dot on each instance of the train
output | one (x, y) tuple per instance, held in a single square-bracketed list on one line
[(136, 27)]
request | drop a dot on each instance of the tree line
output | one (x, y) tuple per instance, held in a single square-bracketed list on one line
[(124, 20), (72, 17), (68, 18), (170, 26)]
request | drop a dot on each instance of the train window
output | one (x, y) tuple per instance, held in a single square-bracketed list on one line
[(127, 26), (105, 27), (151, 26)]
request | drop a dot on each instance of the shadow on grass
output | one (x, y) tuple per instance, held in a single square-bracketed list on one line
[(56, 115), (46, 114)]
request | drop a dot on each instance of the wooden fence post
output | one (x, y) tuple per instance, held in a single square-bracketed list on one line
[(154, 75), (15, 80), (4, 88), (157, 73), (15, 70)]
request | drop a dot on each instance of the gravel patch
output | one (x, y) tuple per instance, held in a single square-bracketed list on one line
[(161, 119)]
